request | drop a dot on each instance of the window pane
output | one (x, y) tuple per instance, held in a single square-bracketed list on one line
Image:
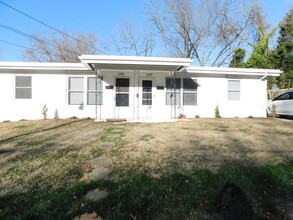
[(76, 83), (234, 85), (23, 93), (233, 95), (23, 81), (147, 96), (122, 85), (190, 84), (170, 98), (76, 98), (122, 100), (92, 84), (91, 98), (189, 99), (146, 102), (170, 83), (147, 83)]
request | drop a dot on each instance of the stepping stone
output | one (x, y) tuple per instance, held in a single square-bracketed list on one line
[(116, 130), (101, 162), (116, 119), (88, 216), (118, 127), (113, 136), (99, 173), (96, 195), (107, 144)]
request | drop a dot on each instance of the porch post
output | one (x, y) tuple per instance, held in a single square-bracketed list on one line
[(98, 106)]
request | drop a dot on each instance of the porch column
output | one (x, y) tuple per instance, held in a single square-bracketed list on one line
[(98, 106)]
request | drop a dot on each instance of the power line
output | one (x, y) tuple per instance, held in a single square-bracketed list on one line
[(49, 26), (31, 37), (17, 45), (20, 32)]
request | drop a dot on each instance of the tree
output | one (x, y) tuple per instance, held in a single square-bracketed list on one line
[(238, 58), (261, 56), (133, 41), (284, 52), (60, 49), (207, 31)]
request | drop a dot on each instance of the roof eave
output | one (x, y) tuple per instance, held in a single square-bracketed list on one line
[(41, 66)]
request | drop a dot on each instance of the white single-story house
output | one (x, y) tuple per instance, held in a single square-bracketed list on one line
[(132, 88)]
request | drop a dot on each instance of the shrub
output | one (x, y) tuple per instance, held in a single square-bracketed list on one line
[(45, 111), (217, 112)]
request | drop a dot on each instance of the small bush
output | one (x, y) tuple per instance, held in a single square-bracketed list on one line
[(56, 114), (217, 112), (45, 111)]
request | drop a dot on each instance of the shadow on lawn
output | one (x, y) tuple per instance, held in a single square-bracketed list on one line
[(39, 131), (134, 194)]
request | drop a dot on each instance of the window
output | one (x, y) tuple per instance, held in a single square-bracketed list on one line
[(173, 87), (234, 90), (94, 91), (147, 92), (284, 96), (122, 92), (23, 87), (189, 91), (75, 91)]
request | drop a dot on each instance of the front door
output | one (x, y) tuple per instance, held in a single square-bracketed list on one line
[(122, 109), (146, 98)]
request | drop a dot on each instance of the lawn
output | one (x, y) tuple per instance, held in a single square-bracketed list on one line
[(190, 169)]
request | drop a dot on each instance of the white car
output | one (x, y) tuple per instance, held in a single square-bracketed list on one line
[(283, 103)]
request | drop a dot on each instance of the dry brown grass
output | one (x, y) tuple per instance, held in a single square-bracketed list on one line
[(42, 163), (208, 143)]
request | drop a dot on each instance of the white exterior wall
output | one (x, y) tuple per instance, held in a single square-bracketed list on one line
[(51, 89), (213, 92)]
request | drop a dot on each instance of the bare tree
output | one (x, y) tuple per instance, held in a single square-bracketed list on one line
[(60, 49), (130, 41), (160, 22), (208, 30)]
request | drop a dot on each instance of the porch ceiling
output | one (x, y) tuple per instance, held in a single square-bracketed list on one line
[(135, 63)]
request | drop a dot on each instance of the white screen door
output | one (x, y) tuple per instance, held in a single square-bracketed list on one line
[(146, 100)]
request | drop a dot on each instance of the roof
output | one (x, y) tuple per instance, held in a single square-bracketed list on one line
[(135, 62), (41, 66), (102, 62), (233, 71)]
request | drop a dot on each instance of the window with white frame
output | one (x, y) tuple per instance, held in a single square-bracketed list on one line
[(23, 87), (189, 91), (173, 87), (94, 91), (234, 90), (75, 91)]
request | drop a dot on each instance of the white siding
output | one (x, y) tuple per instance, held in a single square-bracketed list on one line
[(51, 89)]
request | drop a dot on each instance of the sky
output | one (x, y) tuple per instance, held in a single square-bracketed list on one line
[(101, 17)]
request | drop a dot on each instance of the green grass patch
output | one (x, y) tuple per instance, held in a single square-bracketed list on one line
[(22, 126)]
